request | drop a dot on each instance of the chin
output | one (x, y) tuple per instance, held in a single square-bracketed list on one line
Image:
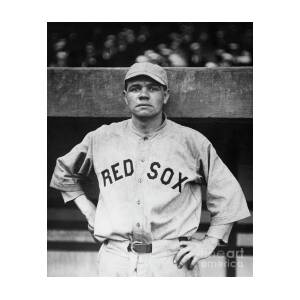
[(144, 114)]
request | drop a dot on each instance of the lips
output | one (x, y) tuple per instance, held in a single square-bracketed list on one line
[(141, 105)]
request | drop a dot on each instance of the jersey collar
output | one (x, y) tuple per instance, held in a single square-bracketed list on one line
[(152, 134)]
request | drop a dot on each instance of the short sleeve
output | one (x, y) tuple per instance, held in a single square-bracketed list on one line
[(74, 167), (225, 199), (70, 196), (220, 232)]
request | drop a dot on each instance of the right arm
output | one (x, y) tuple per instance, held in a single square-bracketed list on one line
[(86, 206), (70, 171), (73, 168)]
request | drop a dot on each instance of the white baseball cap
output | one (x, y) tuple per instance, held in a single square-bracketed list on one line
[(154, 71)]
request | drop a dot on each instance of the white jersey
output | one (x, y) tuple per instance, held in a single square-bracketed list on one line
[(151, 186)]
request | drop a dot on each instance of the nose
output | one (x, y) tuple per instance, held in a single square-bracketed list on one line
[(144, 93)]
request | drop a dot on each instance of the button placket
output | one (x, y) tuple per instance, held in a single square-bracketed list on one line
[(141, 159), (143, 151), (140, 179)]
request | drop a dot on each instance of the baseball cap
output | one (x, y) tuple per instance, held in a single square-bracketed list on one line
[(154, 71)]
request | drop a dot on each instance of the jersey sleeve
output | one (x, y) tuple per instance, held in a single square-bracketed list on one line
[(69, 196), (220, 232), (72, 169), (225, 199)]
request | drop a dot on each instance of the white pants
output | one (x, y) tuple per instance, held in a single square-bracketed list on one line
[(115, 260)]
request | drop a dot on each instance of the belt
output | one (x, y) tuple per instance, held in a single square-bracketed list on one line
[(140, 247)]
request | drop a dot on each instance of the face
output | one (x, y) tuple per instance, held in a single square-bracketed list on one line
[(145, 97)]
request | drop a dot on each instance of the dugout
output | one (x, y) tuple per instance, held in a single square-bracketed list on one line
[(216, 102)]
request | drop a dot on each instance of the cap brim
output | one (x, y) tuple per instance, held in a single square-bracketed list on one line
[(153, 76)]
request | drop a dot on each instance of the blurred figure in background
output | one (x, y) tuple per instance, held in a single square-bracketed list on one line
[(61, 59), (90, 56), (166, 44)]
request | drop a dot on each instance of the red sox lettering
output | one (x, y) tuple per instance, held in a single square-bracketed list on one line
[(166, 175), (127, 167)]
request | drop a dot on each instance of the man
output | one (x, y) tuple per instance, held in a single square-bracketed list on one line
[(151, 173)]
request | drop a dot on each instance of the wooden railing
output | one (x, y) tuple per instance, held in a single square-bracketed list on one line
[(195, 92)]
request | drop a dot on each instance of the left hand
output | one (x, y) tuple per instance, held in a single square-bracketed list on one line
[(195, 250), (91, 231)]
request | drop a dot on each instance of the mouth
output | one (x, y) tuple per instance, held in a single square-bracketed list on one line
[(143, 105)]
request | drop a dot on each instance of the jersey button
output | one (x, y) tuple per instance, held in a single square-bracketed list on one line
[(138, 224), (140, 180), (138, 202), (142, 160)]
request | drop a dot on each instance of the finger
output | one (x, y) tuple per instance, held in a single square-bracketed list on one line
[(180, 253), (194, 262), (95, 239), (90, 228), (185, 259), (189, 264), (179, 264)]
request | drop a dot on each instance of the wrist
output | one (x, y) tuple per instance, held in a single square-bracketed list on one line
[(90, 217), (86, 207), (213, 241)]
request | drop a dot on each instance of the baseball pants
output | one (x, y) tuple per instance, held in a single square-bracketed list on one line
[(115, 260)]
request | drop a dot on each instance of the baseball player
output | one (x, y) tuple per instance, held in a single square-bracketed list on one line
[(152, 173)]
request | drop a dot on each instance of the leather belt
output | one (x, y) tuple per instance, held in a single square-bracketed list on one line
[(140, 247)]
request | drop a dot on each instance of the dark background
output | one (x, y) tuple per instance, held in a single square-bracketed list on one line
[(168, 44)]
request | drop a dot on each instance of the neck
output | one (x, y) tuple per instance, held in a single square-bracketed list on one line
[(147, 126)]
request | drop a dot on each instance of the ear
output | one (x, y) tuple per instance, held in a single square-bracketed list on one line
[(166, 96), (125, 97)]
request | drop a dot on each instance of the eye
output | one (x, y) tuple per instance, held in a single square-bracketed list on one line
[(134, 89), (154, 88)]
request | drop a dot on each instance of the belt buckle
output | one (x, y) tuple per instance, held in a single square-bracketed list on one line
[(132, 246)]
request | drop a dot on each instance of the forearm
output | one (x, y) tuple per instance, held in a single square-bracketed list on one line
[(87, 208), (85, 205)]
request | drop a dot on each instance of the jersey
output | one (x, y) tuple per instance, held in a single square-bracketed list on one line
[(151, 186)]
